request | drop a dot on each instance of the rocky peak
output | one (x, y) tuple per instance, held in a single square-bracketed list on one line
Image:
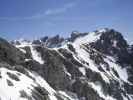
[(54, 41), (50, 42), (111, 42), (44, 39), (75, 35)]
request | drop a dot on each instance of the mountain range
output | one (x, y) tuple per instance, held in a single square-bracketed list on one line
[(94, 65)]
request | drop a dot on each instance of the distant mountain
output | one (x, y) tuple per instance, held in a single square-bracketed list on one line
[(87, 66)]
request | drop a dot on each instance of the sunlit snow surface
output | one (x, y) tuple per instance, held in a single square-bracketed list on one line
[(13, 92), (25, 84), (36, 56)]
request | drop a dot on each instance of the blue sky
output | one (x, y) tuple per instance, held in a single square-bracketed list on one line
[(36, 18)]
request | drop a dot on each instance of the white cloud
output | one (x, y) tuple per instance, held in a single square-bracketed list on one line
[(60, 10), (48, 12)]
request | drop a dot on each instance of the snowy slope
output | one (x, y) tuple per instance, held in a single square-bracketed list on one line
[(17, 86), (84, 68), (11, 88), (82, 55)]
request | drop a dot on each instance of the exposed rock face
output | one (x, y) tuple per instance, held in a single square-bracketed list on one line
[(10, 54), (55, 41), (89, 66), (112, 43), (75, 35)]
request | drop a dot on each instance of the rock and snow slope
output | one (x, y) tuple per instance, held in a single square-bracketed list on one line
[(87, 66), (17, 86)]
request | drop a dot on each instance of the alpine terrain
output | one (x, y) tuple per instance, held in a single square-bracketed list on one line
[(86, 66)]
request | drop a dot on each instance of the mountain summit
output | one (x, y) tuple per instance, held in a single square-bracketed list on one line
[(86, 66)]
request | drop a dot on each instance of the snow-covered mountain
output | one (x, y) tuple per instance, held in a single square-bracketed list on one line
[(87, 66)]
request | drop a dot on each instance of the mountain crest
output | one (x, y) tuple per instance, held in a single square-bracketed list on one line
[(87, 66)]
